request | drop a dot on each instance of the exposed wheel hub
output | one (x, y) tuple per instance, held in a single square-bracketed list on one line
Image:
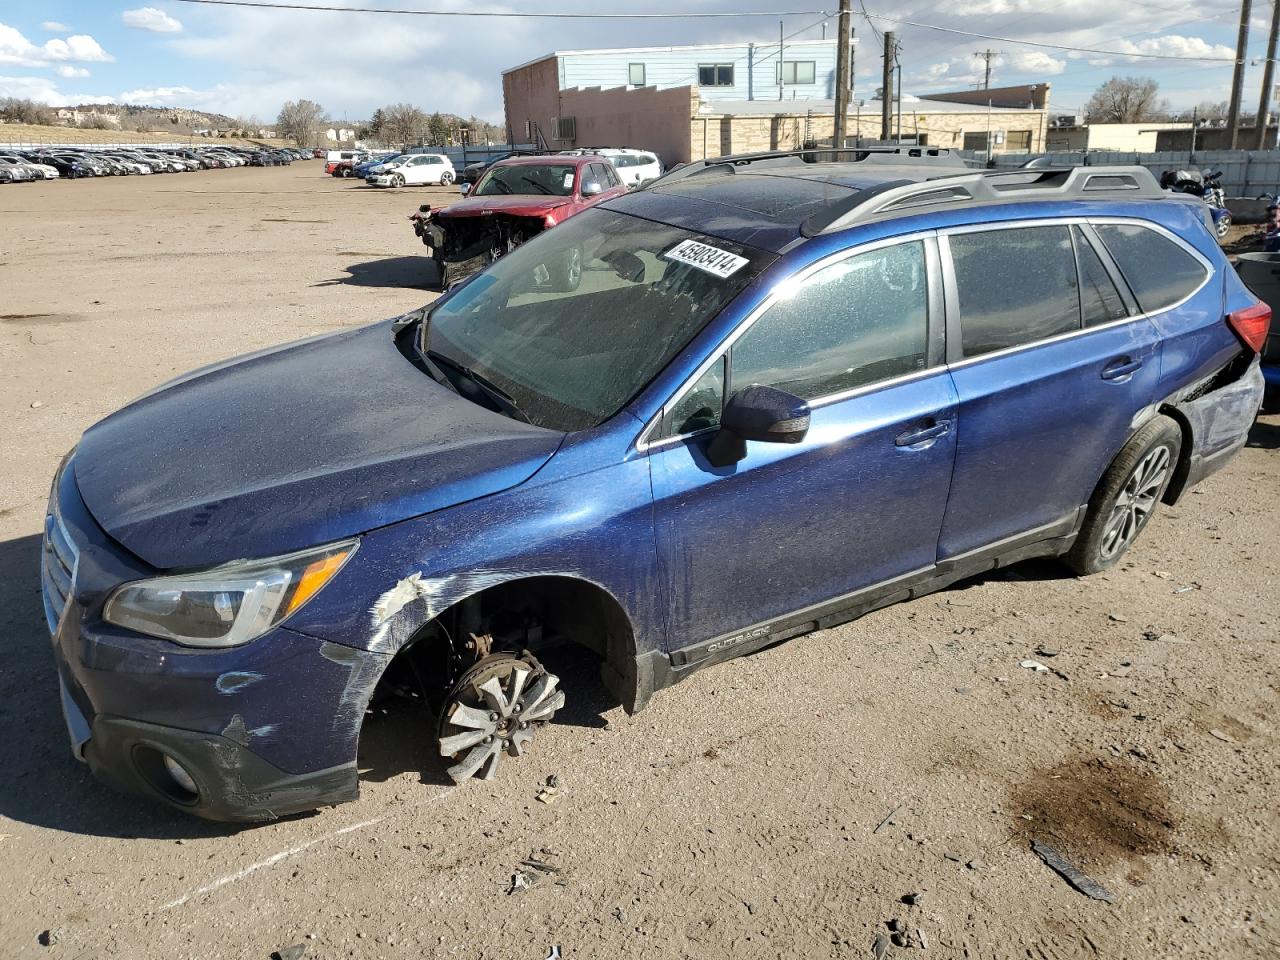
[(495, 708)]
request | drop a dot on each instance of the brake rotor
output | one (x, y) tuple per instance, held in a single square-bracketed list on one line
[(494, 708)]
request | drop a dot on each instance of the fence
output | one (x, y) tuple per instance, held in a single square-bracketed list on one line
[(1245, 173)]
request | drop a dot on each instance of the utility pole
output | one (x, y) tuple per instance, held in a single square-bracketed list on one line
[(987, 56), (1237, 78), (1268, 71), (886, 92), (781, 40), (842, 75)]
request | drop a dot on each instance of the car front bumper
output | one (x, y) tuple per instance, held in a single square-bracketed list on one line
[(263, 730)]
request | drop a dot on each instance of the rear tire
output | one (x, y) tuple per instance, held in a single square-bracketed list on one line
[(1222, 226), (446, 178), (1127, 496)]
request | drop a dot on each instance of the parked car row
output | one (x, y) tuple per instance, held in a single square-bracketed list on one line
[(53, 163)]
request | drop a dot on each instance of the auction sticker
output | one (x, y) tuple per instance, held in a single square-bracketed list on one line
[(713, 260)]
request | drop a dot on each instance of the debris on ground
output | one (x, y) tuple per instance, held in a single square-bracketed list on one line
[(953, 857), (540, 865), (976, 865), (294, 952), (880, 947), (521, 880), (1035, 665), (1086, 885), (1044, 651), (1219, 735), (888, 819), (553, 781), (1188, 588), (47, 938), (547, 794), (910, 899), (553, 954), (1116, 618), (922, 939)]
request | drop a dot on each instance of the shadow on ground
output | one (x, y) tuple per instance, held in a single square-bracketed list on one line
[(413, 273), (1264, 436)]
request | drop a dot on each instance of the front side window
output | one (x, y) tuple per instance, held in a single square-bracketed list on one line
[(573, 323), (699, 409), (1015, 286), (715, 74), (549, 179), (1160, 272), (796, 71), (851, 324), (635, 74)]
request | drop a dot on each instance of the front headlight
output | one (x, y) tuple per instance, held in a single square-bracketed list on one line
[(228, 605)]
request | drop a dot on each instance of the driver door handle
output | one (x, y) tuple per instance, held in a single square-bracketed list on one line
[(926, 432), (1120, 368)]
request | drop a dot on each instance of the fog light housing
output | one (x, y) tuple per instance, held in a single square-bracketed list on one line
[(180, 776)]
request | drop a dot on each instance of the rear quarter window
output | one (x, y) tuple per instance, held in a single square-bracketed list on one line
[(1159, 271)]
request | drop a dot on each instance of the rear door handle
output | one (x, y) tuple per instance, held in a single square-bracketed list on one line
[(930, 430), (1120, 368)]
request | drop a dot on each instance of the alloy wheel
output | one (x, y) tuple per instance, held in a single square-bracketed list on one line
[(495, 708), (1136, 500)]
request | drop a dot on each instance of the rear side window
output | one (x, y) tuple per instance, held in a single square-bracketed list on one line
[(1160, 272), (1100, 301), (1016, 286), (854, 323)]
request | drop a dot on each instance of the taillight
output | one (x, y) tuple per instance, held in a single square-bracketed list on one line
[(1251, 324)]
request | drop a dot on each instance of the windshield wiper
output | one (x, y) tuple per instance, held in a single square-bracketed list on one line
[(536, 185), (497, 396)]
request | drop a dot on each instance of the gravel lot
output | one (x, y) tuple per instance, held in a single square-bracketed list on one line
[(777, 806)]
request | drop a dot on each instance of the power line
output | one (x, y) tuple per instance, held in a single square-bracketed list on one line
[(264, 5), (683, 15), (1035, 43)]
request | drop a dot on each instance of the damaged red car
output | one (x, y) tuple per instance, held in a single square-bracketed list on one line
[(516, 199)]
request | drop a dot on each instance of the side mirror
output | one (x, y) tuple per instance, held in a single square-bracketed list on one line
[(465, 188), (424, 208), (757, 413), (592, 188)]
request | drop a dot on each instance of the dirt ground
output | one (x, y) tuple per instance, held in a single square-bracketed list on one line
[(780, 805)]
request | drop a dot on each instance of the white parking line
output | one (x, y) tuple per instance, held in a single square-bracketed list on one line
[(285, 854)]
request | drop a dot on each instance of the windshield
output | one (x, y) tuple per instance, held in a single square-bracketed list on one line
[(572, 324), (550, 180)]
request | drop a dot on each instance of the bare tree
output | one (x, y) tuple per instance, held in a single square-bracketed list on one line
[(300, 121), (402, 123), (1125, 100), (1211, 110), (16, 110)]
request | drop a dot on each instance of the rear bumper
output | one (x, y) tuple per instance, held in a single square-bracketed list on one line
[(1220, 421)]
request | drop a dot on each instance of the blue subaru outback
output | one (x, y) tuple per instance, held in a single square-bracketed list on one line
[(781, 390)]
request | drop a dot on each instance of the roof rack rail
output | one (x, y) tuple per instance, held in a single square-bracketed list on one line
[(988, 186), (898, 156)]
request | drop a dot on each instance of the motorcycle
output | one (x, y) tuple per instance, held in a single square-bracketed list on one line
[(1208, 187)]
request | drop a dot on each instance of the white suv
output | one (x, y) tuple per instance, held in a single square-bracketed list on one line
[(416, 168), (634, 166)]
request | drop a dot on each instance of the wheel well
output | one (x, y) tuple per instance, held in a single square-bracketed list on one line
[(526, 613), (1178, 482)]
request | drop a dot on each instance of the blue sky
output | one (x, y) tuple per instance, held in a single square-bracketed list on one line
[(246, 62)]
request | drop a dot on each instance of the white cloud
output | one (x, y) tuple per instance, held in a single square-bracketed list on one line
[(44, 90), (159, 95), (151, 18), (17, 50), (70, 72), (53, 26)]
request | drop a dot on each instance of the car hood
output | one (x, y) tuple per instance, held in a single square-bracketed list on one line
[(294, 446), (515, 205)]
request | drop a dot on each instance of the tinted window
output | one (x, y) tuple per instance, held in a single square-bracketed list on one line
[(1015, 286), (1159, 271), (700, 407), (853, 323), (1099, 300), (715, 74)]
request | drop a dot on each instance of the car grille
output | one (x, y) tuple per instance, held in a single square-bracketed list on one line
[(57, 565)]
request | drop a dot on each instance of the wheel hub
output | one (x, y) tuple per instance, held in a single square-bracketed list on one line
[(495, 708)]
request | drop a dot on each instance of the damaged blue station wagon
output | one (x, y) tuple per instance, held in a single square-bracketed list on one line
[(778, 393)]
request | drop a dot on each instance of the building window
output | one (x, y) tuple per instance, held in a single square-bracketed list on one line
[(1018, 140), (975, 141), (715, 74), (635, 74), (796, 71)]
